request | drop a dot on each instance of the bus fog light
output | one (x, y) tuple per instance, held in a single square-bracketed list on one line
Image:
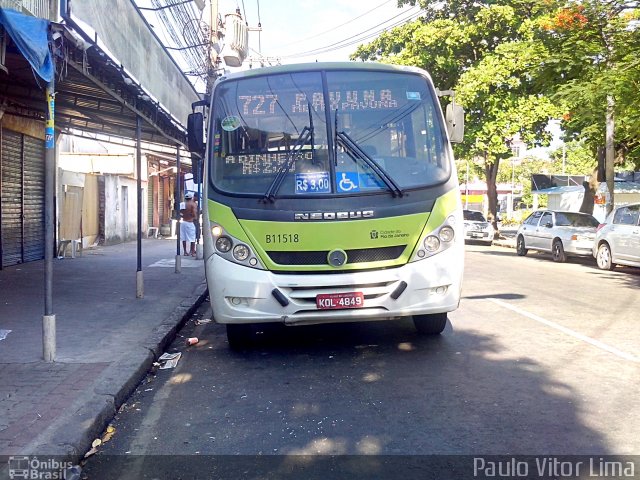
[(241, 252), (431, 243), (446, 234), (238, 301), (223, 244), (421, 253), (253, 262)]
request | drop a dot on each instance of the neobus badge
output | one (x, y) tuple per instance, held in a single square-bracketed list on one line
[(333, 215)]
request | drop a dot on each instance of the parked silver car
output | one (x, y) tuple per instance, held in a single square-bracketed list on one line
[(561, 233), (476, 227), (618, 238)]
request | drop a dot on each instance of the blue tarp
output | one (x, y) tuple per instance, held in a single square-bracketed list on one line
[(31, 35)]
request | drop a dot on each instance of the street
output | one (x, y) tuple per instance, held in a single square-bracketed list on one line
[(541, 358)]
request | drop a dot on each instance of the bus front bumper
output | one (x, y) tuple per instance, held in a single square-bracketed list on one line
[(242, 295)]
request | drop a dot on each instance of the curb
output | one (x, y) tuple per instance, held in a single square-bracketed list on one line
[(505, 243), (72, 434)]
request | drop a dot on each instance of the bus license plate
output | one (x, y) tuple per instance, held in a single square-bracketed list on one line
[(333, 301)]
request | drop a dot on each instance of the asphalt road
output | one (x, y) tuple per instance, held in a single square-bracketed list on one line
[(540, 359)]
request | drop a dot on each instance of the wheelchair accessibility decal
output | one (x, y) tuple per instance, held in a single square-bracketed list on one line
[(347, 182)]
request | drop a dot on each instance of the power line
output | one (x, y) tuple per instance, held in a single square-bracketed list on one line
[(259, 28), (341, 44), (345, 42), (337, 26), (244, 12), (178, 19)]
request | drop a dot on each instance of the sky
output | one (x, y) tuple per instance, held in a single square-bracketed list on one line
[(310, 30)]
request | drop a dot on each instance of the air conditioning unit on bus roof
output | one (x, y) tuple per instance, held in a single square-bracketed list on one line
[(236, 37)]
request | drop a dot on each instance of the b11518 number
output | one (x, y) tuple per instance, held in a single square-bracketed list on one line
[(282, 238)]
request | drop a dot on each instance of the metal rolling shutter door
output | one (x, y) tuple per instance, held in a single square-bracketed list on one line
[(161, 198), (33, 199), (150, 202), (11, 202)]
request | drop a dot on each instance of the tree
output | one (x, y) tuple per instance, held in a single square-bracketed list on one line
[(487, 53), (592, 70), (501, 103)]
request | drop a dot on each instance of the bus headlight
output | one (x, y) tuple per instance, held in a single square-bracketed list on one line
[(231, 248), (446, 234), (241, 252), (439, 239), (432, 243), (223, 244)]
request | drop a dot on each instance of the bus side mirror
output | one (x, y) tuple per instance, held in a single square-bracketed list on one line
[(195, 133), (455, 122), (196, 163)]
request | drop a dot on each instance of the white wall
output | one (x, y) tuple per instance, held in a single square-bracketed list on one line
[(620, 198), (114, 217), (568, 201)]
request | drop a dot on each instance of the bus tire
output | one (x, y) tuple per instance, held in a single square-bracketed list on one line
[(240, 335), (432, 324)]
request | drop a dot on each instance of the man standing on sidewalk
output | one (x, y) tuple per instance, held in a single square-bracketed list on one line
[(187, 227)]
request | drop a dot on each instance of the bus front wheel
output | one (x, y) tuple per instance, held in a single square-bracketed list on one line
[(240, 335), (432, 324)]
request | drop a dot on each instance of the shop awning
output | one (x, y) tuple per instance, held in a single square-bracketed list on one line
[(31, 36)]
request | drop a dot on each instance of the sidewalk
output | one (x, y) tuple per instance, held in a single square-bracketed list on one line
[(507, 237), (106, 341), (505, 242)]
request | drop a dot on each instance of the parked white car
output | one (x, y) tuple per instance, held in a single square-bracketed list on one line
[(618, 238), (476, 227), (558, 232)]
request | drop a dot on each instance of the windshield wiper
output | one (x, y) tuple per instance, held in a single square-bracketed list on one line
[(275, 185), (306, 134), (349, 143)]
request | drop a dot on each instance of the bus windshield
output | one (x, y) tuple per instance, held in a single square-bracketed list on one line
[(356, 132)]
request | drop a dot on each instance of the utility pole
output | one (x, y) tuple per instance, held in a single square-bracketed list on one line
[(466, 188), (213, 39)]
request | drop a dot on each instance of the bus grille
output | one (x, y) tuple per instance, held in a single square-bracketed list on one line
[(360, 255)]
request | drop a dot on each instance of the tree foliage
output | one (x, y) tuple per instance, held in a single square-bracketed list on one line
[(594, 47), (487, 53), (516, 64)]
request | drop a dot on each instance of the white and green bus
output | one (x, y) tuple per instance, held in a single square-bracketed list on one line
[(330, 195)]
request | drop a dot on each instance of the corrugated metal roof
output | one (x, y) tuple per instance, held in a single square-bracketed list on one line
[(92, 95), (620, 187), (559, 190)]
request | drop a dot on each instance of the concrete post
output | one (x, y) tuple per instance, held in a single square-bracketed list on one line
[(139, 274), (49, 319), (201, 202), (176, 203)]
